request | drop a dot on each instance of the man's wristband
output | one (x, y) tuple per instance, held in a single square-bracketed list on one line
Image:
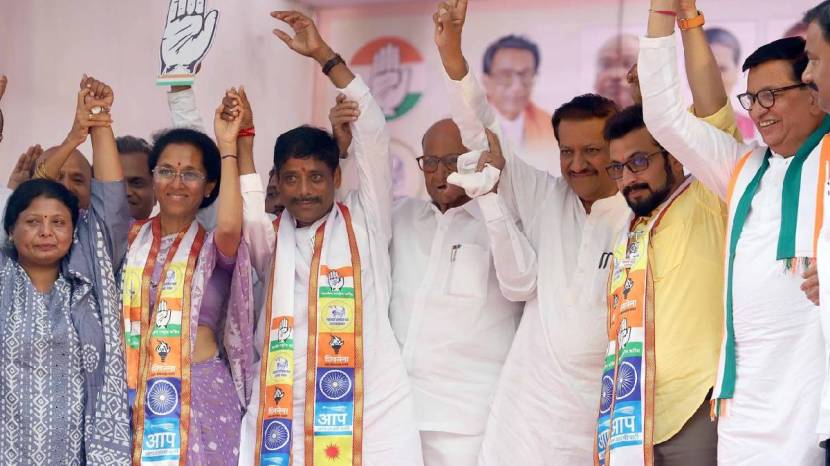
[(246, 132), (690, 23), (334, 61)]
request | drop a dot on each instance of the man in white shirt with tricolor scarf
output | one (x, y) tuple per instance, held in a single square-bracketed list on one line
[(768, 387)]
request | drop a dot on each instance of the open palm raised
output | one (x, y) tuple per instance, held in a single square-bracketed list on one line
[(187, 36), (306, 40)]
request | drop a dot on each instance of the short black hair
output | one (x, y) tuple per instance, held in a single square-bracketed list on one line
[(821, 15), (790, 49), (306, 142), (727, 39), (132, 144), (628, 120), (510, 42), (583, 107), (30, 190), (203, 143)]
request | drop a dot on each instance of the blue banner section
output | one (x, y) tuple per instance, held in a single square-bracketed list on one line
[(333, 418), (335, 384), (162, 440), (163, 398), (276, 440)]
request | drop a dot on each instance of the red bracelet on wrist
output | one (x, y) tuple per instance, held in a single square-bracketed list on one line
[(246, 132), (664, 12)]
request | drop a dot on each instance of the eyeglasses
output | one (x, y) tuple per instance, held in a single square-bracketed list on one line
[(765, 98), (636, 163), (190, 177), (505, 77), (430, 163)]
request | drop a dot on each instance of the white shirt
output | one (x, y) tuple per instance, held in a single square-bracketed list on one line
[(546, 404), (513, 130), (448, 313), (780, 359), (389, 432)]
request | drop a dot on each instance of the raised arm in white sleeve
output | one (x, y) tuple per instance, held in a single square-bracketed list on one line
[(513, 256), (185, 114), (705, 151), (370, 145), (522, 188), (183, 110)]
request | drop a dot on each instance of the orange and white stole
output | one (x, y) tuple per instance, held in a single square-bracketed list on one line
[(158, 343), (333, 417), (625, 423)]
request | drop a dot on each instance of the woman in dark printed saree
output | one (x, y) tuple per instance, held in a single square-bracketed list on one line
[(63, 393), (186, 295)]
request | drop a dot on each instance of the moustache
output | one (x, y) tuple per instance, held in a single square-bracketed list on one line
[(813, 86), (297, 200), (627, 190)]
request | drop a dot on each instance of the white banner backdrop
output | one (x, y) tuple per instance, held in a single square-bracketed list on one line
[(578, 54)]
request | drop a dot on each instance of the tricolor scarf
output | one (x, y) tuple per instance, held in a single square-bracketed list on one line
[(625, 424), (802, 213), (158, 345), (334, 363)]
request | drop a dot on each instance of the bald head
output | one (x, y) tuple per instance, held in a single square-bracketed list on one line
[(75, 175), (614, 59), (442, 141), (443, 134)]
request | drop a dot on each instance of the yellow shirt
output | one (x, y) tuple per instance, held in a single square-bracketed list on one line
[(686, 256)]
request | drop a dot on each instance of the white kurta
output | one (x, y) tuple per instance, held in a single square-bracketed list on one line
[(451, 319), (389, 432), (780, 360), (545, 407)]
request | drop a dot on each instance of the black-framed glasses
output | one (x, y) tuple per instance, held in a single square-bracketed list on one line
[(636, 163), (430, 163), (765, 98), (190, 177)]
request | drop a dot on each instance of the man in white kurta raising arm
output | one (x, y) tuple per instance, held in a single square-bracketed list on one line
[(545, 405), (773, 386), (389, 435)]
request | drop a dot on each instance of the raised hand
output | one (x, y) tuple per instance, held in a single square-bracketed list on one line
[(99, 92), (187, 36), (235, 102), (449, 23), (494, 156), (341, 116), (90, 112), (25, 166), (306, 40), (389, 81), (336, 281), (227, 130)]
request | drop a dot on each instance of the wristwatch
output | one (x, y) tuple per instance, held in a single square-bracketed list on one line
[(690, 23)]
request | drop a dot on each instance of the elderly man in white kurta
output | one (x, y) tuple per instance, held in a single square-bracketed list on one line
[(449, 313), (545, 405), (772, 356), (345, 251)]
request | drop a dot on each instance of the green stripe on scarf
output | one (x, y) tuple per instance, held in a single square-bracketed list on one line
[(792, 190), (741, 212)]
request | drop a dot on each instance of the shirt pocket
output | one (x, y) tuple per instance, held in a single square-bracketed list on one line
[(469, 271), (670, 241)]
